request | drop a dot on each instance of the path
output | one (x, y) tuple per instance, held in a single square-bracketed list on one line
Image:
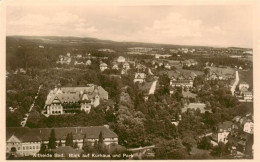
[(23, 123), (152, 89), (233, 88)]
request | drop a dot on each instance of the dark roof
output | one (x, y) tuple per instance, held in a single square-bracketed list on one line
[(73, 94), (38, 134), (23, 134), (225, 125)]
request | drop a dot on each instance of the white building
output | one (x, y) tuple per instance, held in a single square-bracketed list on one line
[(223, 131), (126, 66), (63, 100), (88, 62), (103, 66), (140, 77), (249, 127), (27, 141), (121, 59), (243, 84), (115, 67)]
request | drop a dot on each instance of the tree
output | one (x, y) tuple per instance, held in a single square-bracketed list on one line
[(84, 140), (172, 149), (60, 143), (188, 142), (43, 148), (204, 143), (75, 145), (220, 150), (52, 140), (69, 140), (87, 147), (100, 138)]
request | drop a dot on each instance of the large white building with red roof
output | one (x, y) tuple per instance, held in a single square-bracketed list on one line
[(63, 100)]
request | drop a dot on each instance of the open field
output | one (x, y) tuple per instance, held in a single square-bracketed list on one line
[(246, 76)]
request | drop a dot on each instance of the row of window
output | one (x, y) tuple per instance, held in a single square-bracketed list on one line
[(30, 148)]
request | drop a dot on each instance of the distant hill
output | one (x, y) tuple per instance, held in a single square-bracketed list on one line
[(89, 40)]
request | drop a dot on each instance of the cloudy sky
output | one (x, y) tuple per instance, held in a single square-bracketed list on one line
[(221, 25)]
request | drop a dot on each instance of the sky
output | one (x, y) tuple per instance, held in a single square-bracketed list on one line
[(206, 25)]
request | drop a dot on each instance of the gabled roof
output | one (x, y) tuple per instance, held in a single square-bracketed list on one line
[(225, 125), (38, 134), (22, 133), (103, 65), (140, 75), (74, 94)]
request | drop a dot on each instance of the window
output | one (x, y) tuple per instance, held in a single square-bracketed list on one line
[(18, 148), (34, 147), (23, 148), (30, 147), (37, 147)]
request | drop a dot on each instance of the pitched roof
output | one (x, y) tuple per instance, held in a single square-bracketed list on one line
[(74, 94), (140, 75), (225, 125), (39, 134), (22, 133)]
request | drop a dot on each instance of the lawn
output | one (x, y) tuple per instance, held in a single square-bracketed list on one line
[(246, 76)]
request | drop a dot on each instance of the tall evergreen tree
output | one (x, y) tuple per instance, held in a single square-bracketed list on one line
[(42, 149), (84, 140), (52, 140), (69, 140), (100, 138)]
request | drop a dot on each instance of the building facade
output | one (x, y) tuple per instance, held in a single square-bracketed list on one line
[(27, 141), (63, 100)]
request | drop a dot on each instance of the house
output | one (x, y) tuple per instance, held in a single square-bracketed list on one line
[(248, 96), (236, 118), (126, 66), (243, 85), (78, 63), (140, 77), (121, 59), (223, 131), (20, 70), (179, 79), (103, 66), (195, 106), (140, 67), (63, 100), (106, 50), (79, 56), (27, 141), (22, 140), (249, 127), (115, 67), (88, 62), (167, 66), (214, 75), (190, 62), (123, 71)]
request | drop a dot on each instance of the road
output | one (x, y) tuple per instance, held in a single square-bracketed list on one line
[(23, 123), (233, 88)]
